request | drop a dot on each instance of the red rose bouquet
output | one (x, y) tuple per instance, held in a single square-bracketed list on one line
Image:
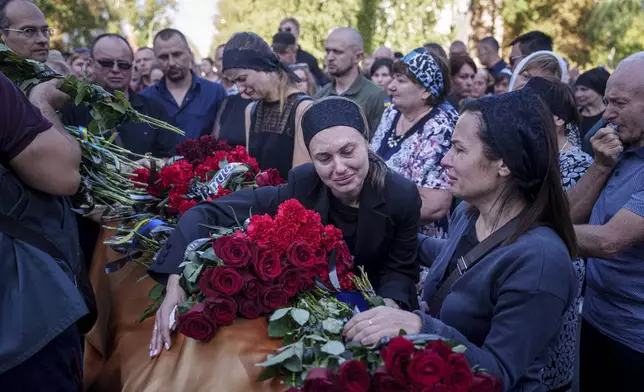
[(253, 270), (206, 170)]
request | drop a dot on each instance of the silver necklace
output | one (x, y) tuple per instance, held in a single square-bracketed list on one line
[(393, 139)]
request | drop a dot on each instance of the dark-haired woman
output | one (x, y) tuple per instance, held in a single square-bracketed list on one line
[(415, 133), (382, 72), (273, 123), (349, 186), (502, 281), (462, 71), (573, 163)]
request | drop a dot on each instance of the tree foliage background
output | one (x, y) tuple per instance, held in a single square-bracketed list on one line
[(76, 22), (586, 32)]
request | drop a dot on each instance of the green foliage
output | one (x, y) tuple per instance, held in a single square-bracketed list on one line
[(587, 32), (401, 24), (146, 17), (79, 19), (615, 26)]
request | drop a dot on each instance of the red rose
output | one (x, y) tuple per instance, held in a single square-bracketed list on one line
[(353, 376), (252, 286), (319, 380), (427, 368), (206, 284), (460, 374), (301, 255), (234, 251), (435, 388), (196, 324), (274, 297), (441, 348), (331, 236), (284, 235), (397, 355), (221, 309), (260, 229), (269, 265), (226, 281), (248, 308), (291, 280), (383, 381), (483, 382), (270, 177), (346, 282)]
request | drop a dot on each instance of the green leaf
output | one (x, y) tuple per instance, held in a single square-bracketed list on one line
[(460, 349), (402, 332), (156, 292), (333, 347), (209, 254), (317, 338), (272, 360), (300, 316), (332, 325), (116, 106), (268, 373), (376, 301), (80, 96), (293, 364), (279, 313), (278, 329)]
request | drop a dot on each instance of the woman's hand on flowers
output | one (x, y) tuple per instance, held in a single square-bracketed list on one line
[(374, 324), (161, 332)]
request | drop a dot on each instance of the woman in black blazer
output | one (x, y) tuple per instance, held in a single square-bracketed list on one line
[(350, 187)]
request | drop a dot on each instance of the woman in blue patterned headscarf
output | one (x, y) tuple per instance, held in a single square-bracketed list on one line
[(415, 133)]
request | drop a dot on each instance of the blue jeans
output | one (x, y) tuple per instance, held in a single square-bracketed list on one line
[(57, 367)]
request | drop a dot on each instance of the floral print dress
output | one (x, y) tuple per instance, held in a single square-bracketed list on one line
[(417, 156), (560, 370)]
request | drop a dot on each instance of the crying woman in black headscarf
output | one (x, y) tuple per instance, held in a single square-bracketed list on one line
[(377, 210)]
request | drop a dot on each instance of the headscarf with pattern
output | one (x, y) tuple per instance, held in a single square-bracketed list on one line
[(426, 70)]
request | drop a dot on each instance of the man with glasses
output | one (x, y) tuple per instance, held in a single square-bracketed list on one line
[(526, 44), (111, 63), (24, 30), (291, 25), (112, 60)]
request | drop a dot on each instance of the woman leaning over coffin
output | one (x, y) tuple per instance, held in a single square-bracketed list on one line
[(506, 304), (350, 187)]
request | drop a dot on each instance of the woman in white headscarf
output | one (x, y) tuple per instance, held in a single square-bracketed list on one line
[(544, 64)]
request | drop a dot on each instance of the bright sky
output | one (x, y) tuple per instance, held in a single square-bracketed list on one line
[(195, 19)]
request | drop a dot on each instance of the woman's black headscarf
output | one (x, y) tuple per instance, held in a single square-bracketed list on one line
[(515, 124), (332, 112), (554, 98)]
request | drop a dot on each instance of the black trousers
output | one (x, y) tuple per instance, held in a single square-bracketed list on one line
[(607, 365), (57, 367)]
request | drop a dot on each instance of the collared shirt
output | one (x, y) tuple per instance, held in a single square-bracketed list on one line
[(196, 114), (370, 97), (140, 138), (614, 300), (496, 69)]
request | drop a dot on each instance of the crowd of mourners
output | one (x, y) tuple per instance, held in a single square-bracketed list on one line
[(496, 203)]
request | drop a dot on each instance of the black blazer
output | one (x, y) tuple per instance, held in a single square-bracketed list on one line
[(386, 240)]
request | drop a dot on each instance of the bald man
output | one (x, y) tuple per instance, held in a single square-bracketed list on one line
[(383, 52), (344, 50), (457, 48), (608, 206), (24, 30)]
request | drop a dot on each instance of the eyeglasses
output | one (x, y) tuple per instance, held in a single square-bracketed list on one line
[(31, 32), (122, 64), (284, 30)]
